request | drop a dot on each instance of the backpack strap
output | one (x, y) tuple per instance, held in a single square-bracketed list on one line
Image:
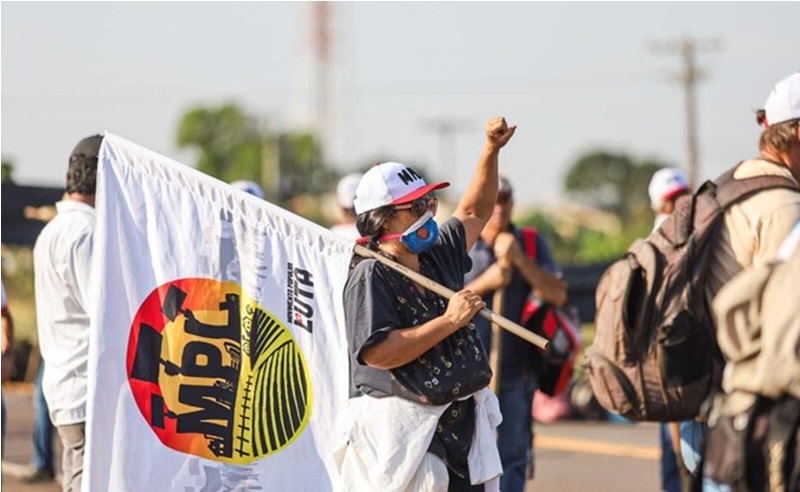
[(729, 191), (529, 235)]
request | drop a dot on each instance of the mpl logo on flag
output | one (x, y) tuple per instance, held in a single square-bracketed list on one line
[(218, 357), (215, 374)]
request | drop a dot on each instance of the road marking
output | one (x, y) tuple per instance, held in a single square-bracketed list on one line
[(597, 447), (15, 470)]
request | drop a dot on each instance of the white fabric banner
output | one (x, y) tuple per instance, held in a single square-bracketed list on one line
[(218, 356)]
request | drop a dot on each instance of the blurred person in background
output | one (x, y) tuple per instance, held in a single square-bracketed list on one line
[(7, 361), (62, 260), (345, 194), (42, 468), (250, 187), (499, 261), (666, 186)]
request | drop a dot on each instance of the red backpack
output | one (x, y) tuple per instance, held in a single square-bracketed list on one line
[(559, 325)]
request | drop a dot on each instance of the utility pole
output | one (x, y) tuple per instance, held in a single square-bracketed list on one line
[(322, 38), (688, 48), (446, 130)]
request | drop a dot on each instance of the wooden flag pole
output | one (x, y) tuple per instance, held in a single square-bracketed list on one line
[(443, 291)]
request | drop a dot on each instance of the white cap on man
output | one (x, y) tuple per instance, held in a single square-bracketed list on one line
[(665, 185), (783, 103), (391, 183), (346, 190)]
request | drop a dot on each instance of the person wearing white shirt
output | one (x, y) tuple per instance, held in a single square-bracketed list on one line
[(666, 186), (62, 260)]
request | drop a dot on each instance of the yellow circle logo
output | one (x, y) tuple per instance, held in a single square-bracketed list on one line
[(216, 375)]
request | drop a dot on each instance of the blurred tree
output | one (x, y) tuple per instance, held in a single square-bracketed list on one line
[(8, 171), (564, 249), (607, 181), (227, 139), (232, 146), (302, 167), (612, 182), (598, 247)]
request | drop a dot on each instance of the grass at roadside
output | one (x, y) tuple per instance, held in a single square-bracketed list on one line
[(17, 269)]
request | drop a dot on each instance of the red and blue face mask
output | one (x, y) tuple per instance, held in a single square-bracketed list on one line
[(420, 236)]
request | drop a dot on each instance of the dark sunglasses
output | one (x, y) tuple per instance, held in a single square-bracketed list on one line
[(421, 205)]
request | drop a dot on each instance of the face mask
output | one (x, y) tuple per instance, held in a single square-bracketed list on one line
[(420, 236)]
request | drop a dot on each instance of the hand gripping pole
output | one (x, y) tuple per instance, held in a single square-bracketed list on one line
[(443, 291)]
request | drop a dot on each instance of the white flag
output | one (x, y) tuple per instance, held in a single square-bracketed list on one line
[(218, 357)]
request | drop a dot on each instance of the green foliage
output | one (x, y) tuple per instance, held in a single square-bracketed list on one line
[(607, 181), (564, 249), (586, 246), (231, 146), (611, 182), (8, 171), (302, 167), (17, 264), (598, 247), (227, 139)]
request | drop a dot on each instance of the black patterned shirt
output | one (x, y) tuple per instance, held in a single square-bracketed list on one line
[(378, 300)]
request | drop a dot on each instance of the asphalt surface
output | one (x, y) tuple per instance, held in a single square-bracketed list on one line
[(18, 446), (570, 455)]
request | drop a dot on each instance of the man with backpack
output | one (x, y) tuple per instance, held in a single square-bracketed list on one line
[(751, 235), (759, 330), (753, 229), (655, 356), (500, 262)]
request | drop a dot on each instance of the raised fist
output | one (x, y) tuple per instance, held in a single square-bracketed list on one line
[(498, 133)]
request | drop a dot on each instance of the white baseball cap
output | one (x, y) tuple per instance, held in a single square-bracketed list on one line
[(783, 103), (249, 187), (346, 189), (665, 184), (391, 183)]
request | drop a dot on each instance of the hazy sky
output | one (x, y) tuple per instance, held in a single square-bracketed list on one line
[(572, 76)]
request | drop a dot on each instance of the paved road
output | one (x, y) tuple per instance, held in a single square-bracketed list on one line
[(571, 455), (596, 456), (18, 448)]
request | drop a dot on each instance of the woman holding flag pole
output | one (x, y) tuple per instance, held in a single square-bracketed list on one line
[(427, 420)]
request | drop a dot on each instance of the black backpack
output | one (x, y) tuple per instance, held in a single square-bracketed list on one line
[(654, 355)]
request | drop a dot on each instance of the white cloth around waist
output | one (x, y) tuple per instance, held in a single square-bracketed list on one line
[(385, 439)]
